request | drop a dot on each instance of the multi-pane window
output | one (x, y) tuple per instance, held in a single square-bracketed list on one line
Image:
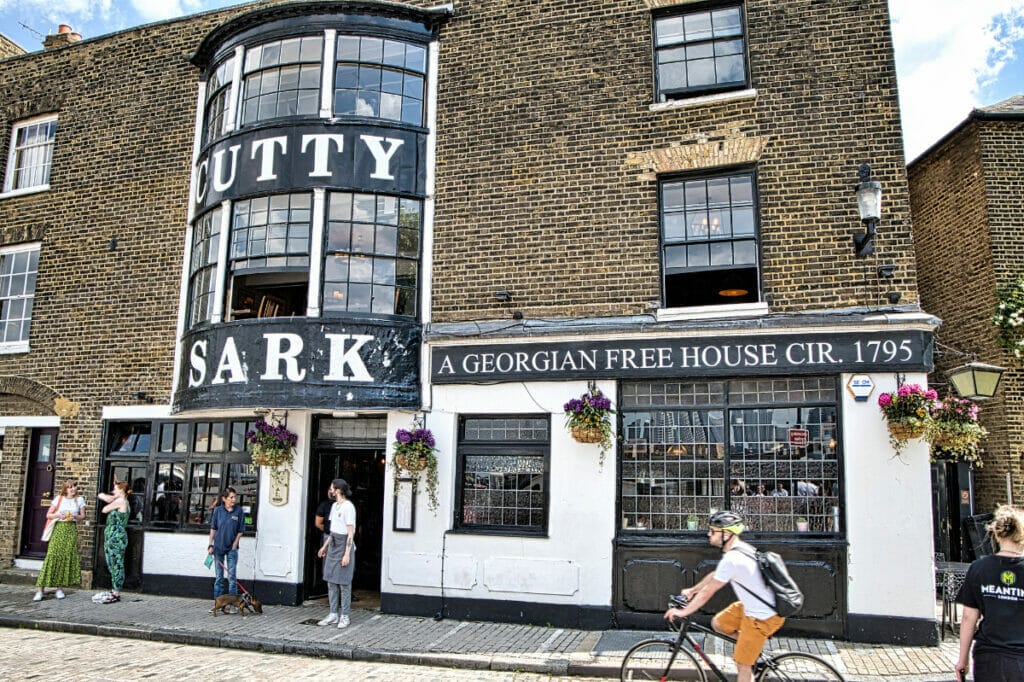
[(709, 241), (218, 98), (766, 448), (503, 464), (18, 268), (282, 78), (28, 165), (699, 51), (270, 256), (380, 78), (202, 281), (372, 254), (177, 470)]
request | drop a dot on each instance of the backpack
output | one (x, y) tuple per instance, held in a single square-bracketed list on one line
[(788, 597)]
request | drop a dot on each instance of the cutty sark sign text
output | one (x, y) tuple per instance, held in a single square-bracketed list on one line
[(807, 353)]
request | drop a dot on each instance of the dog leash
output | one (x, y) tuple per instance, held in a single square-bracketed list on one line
[(240, 585)]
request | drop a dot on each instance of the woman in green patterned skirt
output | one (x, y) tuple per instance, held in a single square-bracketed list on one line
[(61, 567), (115, 537)]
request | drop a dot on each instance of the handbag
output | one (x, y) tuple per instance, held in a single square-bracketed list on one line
[(50, 523)]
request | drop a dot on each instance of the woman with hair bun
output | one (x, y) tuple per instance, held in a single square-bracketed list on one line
[(339, 555), (115, 537), (993, 592)]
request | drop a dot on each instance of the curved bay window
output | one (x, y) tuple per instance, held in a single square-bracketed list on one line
[(282, 78), (218, 100), (766, 448), (380, 78), (269, 257), (372, 254), (202, 280)]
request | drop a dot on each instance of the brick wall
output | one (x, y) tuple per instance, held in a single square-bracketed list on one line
[(967, 196), (539, 193)]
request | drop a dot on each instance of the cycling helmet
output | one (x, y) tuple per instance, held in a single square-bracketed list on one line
[(727, 520)]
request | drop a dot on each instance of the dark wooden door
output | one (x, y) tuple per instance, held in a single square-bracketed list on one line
[(363, 469), (39, 490)]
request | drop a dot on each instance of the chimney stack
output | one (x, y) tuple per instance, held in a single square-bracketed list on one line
[(64, 36)]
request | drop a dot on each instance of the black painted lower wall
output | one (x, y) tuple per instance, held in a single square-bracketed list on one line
[(874, 629), (270, 593), (496, 610)]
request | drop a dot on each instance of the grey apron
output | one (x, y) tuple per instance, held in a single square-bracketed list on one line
[(334, 572)]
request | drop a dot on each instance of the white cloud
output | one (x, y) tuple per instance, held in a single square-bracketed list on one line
[(63, 11), (155, 10), (946, 50)]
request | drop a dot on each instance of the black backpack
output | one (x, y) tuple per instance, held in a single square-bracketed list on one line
[(788, 597)]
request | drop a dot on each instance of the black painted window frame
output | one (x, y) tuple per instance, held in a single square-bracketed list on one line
[(708, 277), (308, 79), (371, 72), (182, 456), (538, 450), (666, 48)]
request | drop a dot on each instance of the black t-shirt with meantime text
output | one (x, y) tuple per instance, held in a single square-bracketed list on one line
[(995, 586)]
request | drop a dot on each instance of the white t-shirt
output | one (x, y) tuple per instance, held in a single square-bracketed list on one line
[(70, 504), (343, 514), (740, 567)]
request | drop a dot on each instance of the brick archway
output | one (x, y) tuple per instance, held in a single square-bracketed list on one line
[(45, 400)]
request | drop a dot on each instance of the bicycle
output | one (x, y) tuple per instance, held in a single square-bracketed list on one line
[(661, 659)]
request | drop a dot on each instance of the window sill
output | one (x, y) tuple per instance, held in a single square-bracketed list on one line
[(712, 312), (736, 95), (25, 190), (11, 348)]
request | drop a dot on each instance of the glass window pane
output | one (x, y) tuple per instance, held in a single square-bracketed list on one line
[(696, 194), (359, 298), (383, 300), (372, 50), (745, 252), (726, 22), (668, 30), (697, 256), (675, 226), (697, 26), (743, 221), (675, 256), (416, 58), (348, 48), (383, 271), (721, 253), (701, 72), (729, 69)]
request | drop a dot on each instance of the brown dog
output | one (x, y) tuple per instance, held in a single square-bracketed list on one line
[(241, 601)]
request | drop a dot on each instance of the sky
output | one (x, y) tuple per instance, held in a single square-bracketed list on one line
[(951, 55)]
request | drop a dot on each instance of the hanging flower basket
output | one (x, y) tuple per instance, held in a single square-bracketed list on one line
[(954, 431), (907, 413), (588, 418), (271, 445), (414, 454), (906, 430), (587, 434)]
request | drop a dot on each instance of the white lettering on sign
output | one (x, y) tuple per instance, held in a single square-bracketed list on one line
[(267, 151), (276, 355), (340, 358), (230, 362), (197, 360)]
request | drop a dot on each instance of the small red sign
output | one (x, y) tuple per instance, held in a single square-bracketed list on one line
[(799, 438)]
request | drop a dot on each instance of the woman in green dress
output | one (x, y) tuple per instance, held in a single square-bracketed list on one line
[(61, 567), (115, 537)]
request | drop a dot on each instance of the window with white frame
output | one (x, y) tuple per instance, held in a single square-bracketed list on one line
[(709, 240), (28, 164), (282, 78), (18, 268), (699, 51)]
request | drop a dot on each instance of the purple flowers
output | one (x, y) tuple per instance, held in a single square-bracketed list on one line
[(271, 444), (586, 402), (415, 437)]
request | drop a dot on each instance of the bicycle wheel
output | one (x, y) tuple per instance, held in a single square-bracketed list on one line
[(649, 659), (798, 668)]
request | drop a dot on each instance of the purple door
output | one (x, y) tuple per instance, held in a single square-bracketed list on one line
[(39, 490)]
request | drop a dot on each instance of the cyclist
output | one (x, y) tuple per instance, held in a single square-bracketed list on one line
[(751, 621)]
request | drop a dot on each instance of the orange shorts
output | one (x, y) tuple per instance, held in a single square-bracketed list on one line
[(753, 633)]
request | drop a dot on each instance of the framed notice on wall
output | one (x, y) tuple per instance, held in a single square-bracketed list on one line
[(405, 505)]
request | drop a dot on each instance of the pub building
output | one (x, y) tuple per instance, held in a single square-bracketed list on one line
[(459, 218)]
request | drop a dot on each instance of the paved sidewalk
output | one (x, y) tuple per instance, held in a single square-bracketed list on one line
[(402, 639)]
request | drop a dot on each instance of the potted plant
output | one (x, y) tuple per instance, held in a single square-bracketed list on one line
[(271, 445), (954, 432), (589, 419), (907, 411), (802, 524), (1009, 317), (414, 454), (692, 522)]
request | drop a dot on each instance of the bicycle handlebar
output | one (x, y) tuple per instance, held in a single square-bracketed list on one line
[(677, 601)]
